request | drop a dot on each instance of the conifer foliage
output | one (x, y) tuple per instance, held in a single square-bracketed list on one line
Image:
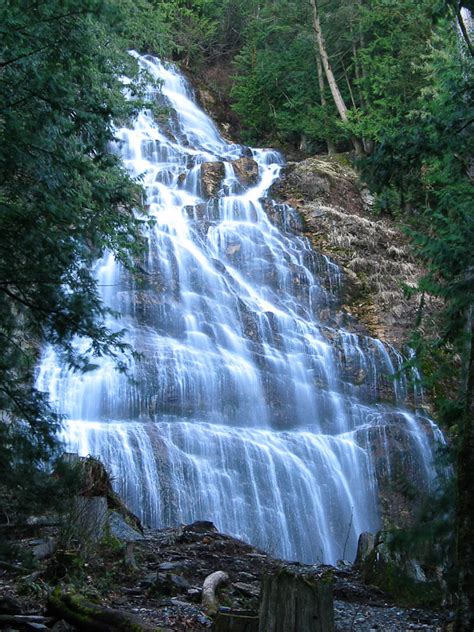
[(64, 198)]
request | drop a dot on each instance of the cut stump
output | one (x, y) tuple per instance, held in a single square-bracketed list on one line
[(296, 602)]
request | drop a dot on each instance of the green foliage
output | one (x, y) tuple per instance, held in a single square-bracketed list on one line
[(424, 164), (395, 38), (276, 86), (64, 199)]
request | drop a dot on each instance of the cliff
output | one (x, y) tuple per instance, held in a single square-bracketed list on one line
[(374, 253)]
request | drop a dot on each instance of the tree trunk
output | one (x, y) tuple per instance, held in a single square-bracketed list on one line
[(336, 93), (330, 144), (465, 506), (293, 602), (90, 617)]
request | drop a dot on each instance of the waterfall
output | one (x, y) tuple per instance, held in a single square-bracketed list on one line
[(249, 405)]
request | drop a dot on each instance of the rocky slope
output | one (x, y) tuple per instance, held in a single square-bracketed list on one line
[(373, 252), (162, 591)]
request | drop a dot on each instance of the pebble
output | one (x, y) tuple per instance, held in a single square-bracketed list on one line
[(354, 617)]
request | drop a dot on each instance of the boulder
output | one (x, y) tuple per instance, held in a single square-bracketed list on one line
[(121, 530), (395, 571), (247, 589), (170, 584), (365, 546), (246, 171), (212, 175), (44, 548)]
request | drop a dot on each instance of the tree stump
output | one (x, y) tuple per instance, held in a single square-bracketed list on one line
[(230, 622), (295, 602)]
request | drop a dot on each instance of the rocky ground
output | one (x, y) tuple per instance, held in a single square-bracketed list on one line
[(163, 589)]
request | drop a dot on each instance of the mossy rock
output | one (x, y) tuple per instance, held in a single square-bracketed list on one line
[(402, 577)]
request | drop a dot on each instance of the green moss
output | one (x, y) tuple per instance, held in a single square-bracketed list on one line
[(390, 577)]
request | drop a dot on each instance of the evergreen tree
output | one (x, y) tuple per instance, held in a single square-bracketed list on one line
[(64, 198)]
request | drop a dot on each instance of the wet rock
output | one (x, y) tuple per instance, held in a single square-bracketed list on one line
[(121, 530), (212, 175), (246, 170), (373, 252)]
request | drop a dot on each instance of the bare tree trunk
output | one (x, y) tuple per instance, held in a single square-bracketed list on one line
[(330, 144), (336, 93), (456, 6)]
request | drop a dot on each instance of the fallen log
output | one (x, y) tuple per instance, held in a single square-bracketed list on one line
[(209, 590), (90, 617)]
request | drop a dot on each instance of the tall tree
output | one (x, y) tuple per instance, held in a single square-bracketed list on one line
[(64, 198), (333, 86)]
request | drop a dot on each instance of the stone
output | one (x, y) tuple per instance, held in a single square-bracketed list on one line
[(365, 546), (121, 530), (44, 549), (246, 171), (194, 593), (148, 581), (212, 175), (170, 584), (62, 626), (169, 566), (247, 589)]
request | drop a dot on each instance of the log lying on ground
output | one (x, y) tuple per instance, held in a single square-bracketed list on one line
[(296, 602), (209, 589), (90, 617)]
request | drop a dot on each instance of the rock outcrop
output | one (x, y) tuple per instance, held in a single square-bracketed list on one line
[(212, 174), (373, 252), (246, 171)]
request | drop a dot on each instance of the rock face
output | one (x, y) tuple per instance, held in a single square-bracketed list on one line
[(212, 174), (373, 252), (246, 170), (392, 569)]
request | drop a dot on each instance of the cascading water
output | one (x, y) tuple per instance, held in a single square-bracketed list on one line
[(249, 406)]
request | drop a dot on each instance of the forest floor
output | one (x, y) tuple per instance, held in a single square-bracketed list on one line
[(164, 590)]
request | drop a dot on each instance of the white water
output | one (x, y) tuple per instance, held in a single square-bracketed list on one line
[(250, 407)]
